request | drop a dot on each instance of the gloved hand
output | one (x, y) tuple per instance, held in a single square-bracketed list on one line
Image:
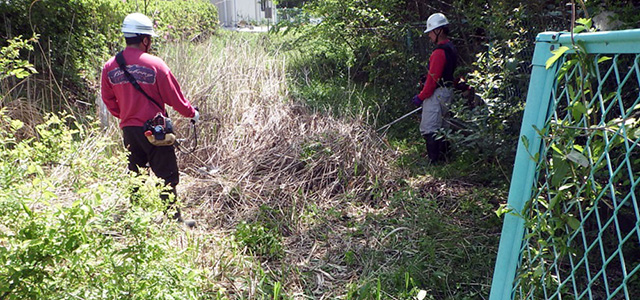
[(416, 101), (196, 117)]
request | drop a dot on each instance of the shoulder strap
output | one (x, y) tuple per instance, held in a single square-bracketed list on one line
[(449, 52), (123, 66)]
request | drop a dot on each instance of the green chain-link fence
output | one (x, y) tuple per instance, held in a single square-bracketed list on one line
[(573, 226)]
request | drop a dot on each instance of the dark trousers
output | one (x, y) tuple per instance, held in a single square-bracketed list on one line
[(161, 159), (437, 148)]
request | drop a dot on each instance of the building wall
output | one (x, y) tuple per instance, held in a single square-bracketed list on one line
[(232, 12)]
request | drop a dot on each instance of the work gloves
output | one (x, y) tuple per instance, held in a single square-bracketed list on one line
[(196, 117), (416, 101)]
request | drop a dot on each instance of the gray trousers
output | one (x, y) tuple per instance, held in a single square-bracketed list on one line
[(434, 109)]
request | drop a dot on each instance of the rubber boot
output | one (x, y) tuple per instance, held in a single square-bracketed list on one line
[(433, 147), (166, 197)]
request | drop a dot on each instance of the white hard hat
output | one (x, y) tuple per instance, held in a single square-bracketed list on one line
[(435, 21), (137, 23)]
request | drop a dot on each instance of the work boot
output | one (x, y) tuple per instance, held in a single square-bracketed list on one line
[(190, 223), (178, 217)]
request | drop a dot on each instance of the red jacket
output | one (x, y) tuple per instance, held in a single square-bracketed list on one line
[(154, 76), (437, 62)]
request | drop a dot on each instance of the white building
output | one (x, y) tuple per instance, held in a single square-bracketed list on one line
[(233, 12)]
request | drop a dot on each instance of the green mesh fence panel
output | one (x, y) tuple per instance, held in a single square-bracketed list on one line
[(574, 227)]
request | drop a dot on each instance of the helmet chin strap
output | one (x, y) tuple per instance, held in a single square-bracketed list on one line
[(438, 32)]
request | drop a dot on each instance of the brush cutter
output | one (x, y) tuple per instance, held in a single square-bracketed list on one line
[(386, 127), (192, 140), (194, 137), (453, 123)]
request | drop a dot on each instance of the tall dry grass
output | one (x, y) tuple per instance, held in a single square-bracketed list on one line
[(262, 156), (253, 135)]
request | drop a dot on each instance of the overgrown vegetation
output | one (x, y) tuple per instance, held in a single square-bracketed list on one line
[(77, 37), (63, 221), (314, 205), (295, 193), (378, 47)]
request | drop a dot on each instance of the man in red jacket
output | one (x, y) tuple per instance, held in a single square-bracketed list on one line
[(134, 108), (437, 90)]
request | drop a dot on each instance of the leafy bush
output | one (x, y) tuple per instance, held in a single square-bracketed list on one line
[(75, 34), (490, 128), (10, 62), (61, 233), (184, 20)]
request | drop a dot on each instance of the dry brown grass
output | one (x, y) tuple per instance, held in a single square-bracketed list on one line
[(30, 98), (258, 149), (23, 110)]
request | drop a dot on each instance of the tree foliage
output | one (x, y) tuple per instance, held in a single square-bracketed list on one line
[(381, 43), (77, 36)]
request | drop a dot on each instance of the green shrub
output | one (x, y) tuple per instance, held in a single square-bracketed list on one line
[(185, 20), (64, 232), (10, 62)]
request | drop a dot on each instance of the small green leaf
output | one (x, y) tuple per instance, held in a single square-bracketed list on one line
[(556, 55), (604, 58), (503, 209), (573, 223), (537, 273), (27, 209), (555, 201), (566, 186), (578, 158), (585, 22), (439, 274), (560, 170), (525, 141), (578, 110), (540, 132), (16, 124), (571, 91), (579, 29)]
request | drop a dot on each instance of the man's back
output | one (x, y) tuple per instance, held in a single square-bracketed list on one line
[(153, 76)]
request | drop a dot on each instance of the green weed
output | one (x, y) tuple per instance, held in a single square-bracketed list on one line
[(260, 240)]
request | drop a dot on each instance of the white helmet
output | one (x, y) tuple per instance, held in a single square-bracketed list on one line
[(137, 23), (436, 20)]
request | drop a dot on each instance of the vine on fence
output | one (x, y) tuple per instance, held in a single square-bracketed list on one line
[(583, 141)]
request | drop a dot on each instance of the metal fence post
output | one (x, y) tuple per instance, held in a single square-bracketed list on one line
[(535, 114)]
